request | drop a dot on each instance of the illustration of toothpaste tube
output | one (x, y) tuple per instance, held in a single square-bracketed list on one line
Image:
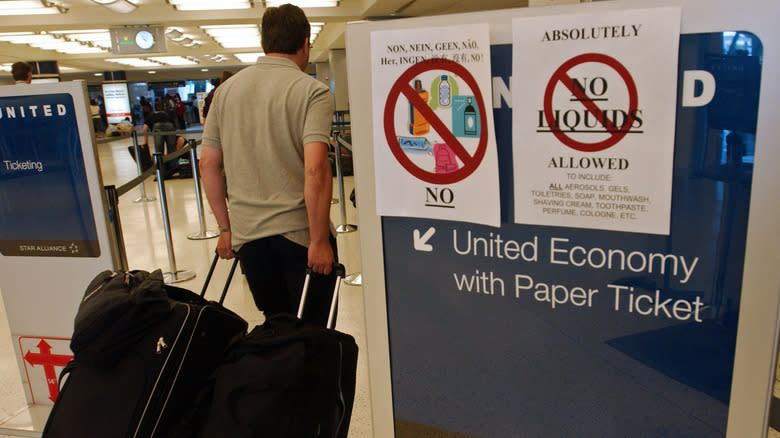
[(415, 144)]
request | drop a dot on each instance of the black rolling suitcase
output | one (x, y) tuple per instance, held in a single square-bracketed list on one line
[(286, 379), (142, 352)]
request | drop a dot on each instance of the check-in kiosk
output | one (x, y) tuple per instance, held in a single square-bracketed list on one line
[(54, 236)]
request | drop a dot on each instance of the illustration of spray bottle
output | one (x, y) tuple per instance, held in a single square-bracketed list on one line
[(469, 119), (417, 124)]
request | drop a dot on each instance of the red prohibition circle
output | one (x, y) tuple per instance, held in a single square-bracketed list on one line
[(402, 86), (617, 133)]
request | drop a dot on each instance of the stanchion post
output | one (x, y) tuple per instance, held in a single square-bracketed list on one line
[(344, 227), (203, 233), (139, 165), (354, 279), (174, 276), (112, 199)]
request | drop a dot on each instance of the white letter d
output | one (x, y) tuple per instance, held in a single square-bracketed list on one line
[(690, 77)]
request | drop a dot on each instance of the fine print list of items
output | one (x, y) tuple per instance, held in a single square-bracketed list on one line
[(590, 194)]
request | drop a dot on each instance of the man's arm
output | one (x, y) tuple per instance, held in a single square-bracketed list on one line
[(214, 185), (317, 193)]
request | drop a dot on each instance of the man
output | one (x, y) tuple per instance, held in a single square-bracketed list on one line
[(270, 126), (22, 72)]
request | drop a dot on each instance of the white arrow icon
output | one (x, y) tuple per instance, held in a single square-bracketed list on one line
[(421, 242)]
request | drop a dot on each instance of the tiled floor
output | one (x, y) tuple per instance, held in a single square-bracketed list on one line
[(146, 249)]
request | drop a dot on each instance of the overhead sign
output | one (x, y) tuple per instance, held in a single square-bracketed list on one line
[(594, 119), (435, 153)]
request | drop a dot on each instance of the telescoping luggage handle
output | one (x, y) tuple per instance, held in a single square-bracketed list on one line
[(340, 272), (227, 282)]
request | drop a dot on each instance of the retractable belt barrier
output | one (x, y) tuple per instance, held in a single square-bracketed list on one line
[(340, 125), (113, 193), (344, 227)]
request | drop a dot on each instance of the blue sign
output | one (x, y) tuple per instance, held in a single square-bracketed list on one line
[(534, 331), (45, 207)]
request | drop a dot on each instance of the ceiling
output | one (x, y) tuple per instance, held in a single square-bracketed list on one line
[(85, 14)]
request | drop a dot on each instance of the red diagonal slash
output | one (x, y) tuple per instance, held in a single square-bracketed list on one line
[(561, 75), (431, 117), (402, 87)]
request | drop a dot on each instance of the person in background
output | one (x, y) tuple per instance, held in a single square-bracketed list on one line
[(22, 72), (146, 108), (180, 109), (102, 105), (97, 122), (161, 121), (216, 82), (125, 127), (169, 106), (270, 126)]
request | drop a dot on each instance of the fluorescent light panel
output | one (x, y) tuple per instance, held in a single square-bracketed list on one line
[(316, 28), (50, 42), (134, 62), (248, 58), (79, 31), (25, 7), (303, 3), (173, 60), (235, 36), (209, 5), (97, 37), (27, 39)]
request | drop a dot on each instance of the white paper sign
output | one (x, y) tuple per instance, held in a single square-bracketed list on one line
[(594, 98), (117, 102), (434, 141)]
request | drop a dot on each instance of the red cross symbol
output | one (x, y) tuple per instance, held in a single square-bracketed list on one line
[(49, 361)]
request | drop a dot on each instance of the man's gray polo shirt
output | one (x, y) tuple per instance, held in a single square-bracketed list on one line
[(261, 118)]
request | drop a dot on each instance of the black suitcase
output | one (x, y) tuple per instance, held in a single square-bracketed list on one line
[(142, 352), (286, 379)]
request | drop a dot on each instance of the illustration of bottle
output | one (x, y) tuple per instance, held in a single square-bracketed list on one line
[(417, 124), (444, 91), (469, 119)]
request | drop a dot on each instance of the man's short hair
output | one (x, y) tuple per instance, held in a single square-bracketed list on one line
[(284, 29), (20, 70)]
